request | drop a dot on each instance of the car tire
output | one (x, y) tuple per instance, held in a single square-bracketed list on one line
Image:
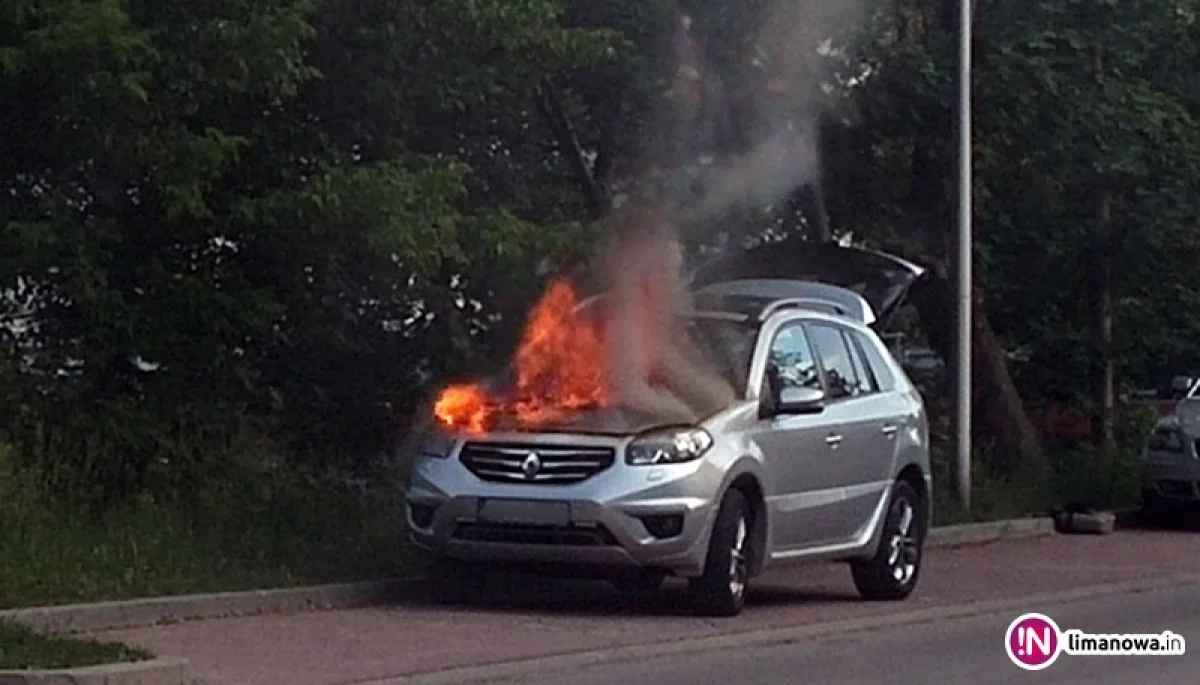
[(721, 590), (639, 582), (1161, 512), (1156, 512), (456, 582), (892, 573)]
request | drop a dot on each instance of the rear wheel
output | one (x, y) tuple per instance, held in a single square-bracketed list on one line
[(456, 582), (721, 590), (892, 573)]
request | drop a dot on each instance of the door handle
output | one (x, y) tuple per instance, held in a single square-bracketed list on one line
[(833, 440), (889, 430)]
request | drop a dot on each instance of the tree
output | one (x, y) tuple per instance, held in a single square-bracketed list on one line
[(294, 211)]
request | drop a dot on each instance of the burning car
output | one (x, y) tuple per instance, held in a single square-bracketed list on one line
[(822, 454)]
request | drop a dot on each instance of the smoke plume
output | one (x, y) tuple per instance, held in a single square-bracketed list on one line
[(741, 127), (737, 128)]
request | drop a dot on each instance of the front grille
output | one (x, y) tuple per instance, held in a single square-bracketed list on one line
[(553, 464), (518, 534)]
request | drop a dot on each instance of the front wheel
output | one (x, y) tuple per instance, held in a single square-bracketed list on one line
[(721, 590), (456, 582), (643, 581), (892, 573), (1156, 512)]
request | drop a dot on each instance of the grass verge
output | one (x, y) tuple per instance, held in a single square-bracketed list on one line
[(1079, 476), (24, 649), (256, 530)]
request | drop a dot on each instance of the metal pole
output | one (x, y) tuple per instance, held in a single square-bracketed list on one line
[(964, 256)]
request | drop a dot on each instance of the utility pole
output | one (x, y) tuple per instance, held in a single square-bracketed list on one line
[(965, 283)]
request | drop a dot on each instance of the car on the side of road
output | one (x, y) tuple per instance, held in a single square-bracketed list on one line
[(1171, 462), (824, 456)]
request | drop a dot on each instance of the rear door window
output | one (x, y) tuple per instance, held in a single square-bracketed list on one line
[(837, 364), (866, 381)]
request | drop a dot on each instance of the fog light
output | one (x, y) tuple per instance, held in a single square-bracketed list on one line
[(663, 526), (421, 514)]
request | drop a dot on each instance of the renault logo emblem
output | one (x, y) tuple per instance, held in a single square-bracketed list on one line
[(531, 465)]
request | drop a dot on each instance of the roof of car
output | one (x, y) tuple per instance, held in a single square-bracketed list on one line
[(760, 298)]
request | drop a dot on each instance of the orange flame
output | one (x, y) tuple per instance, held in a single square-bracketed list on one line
[(463, 406), (559, 368)]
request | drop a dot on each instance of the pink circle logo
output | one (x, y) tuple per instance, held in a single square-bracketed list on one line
[(1033, 641)]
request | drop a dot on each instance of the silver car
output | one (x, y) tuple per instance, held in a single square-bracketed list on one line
[(1171, 467), (824, 456)]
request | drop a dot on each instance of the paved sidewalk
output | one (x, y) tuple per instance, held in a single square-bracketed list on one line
[(527, 618)]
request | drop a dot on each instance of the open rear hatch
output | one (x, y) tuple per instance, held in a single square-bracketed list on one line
[(882, 279)]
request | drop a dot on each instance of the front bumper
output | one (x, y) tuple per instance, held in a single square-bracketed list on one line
[(1171, 476), (623, 517)]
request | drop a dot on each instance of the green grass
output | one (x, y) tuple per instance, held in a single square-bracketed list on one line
[(263, 530), (22, 649), (1079, 476)]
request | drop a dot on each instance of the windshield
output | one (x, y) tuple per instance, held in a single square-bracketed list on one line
[(727, 344)]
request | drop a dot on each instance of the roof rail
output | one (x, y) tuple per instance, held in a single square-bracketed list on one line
[(802, 303), (715, 314)]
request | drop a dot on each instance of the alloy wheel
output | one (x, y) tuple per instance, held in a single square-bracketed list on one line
[(738, 566), (904, 548)]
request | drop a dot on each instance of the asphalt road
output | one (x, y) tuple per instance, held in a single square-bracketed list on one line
[(416, 641), (967, 651)]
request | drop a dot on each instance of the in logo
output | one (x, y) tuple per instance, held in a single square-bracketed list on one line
[(1033, 641), (531, 466)]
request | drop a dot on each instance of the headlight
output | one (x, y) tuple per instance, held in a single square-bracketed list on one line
[(673, 446), (437, 445), (1167, 439)]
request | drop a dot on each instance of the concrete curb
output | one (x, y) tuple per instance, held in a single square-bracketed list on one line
[(989, 531), (517, 671), (139, 613), (163, 671)]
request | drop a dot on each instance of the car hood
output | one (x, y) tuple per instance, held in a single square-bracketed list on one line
[(609, 422), (882, 279)]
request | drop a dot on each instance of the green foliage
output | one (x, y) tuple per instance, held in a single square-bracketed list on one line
[(1128, 128), (297, 212), (1081, 475), (257, 526), (22, 648)]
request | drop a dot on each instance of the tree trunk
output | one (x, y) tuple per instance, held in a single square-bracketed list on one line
[(1105, 391), (590, 183), (1000, 419), (1104, 417), (817, 215)]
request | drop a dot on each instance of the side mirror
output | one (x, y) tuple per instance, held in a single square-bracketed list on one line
[(768, 402), (801, 401)]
